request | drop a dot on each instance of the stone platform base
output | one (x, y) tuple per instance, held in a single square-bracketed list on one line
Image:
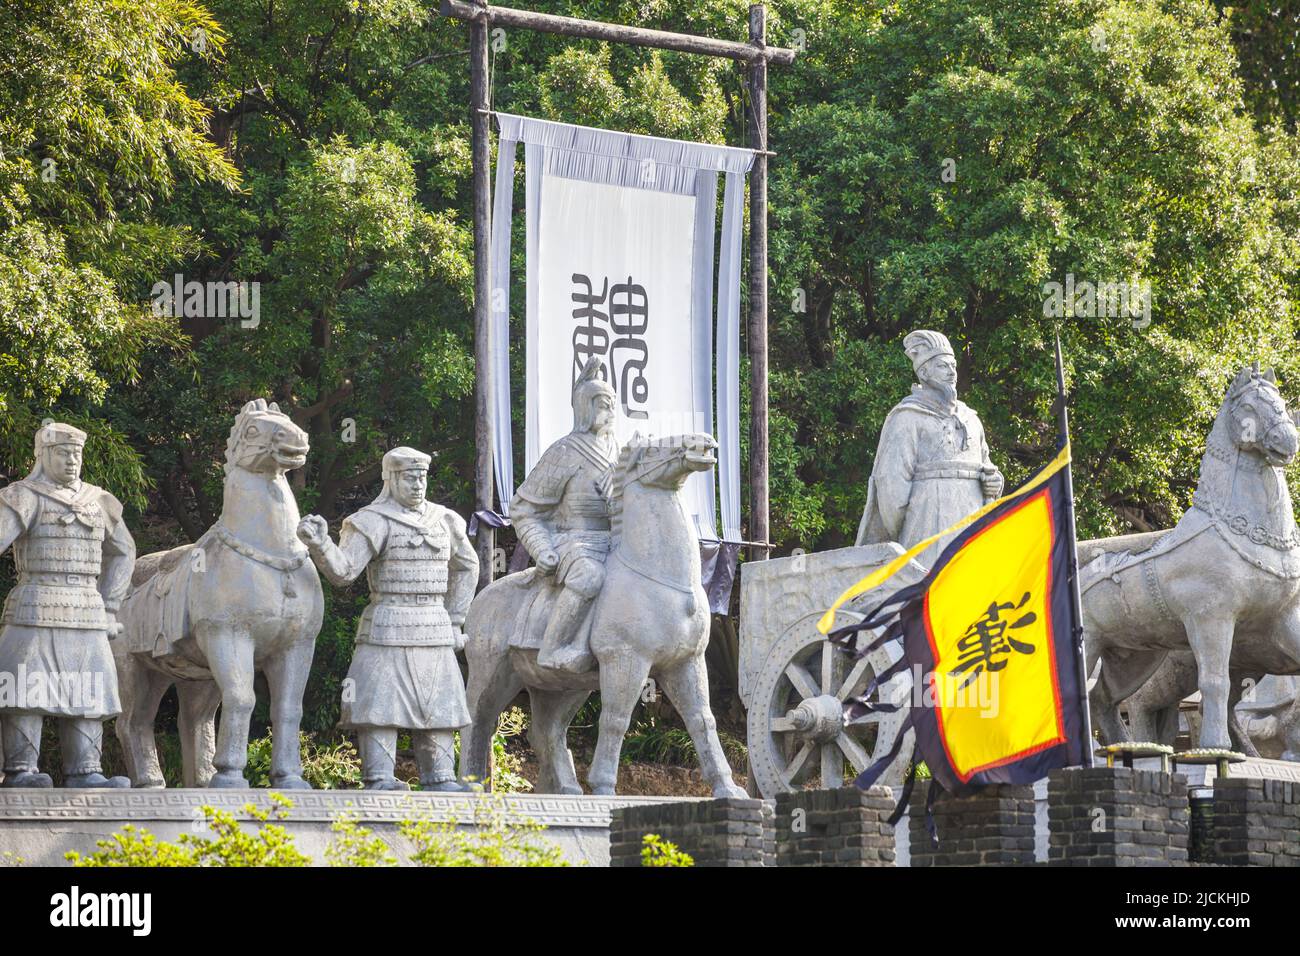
[(40, 826), (1256, 768)]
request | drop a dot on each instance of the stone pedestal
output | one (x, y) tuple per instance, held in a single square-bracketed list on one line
[(40, 826), (1256, 822), (994, 827), (1116, 816), (844, 827), (726, 832)]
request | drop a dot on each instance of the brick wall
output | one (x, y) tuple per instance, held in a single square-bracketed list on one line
[(994, 827), (1116, 816), (845, 827), (1256, 822), (1200, 838), (727, 832)]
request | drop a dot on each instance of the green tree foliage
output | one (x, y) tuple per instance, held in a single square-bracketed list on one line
[(1100, 139), (351, 147), (1266, 34), (97, 133), (937, 162)]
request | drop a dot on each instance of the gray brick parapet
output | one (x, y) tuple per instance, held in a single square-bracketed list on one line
[(1256, 822), (994, 827), (726, 832), (844, 827), (1117, 816)]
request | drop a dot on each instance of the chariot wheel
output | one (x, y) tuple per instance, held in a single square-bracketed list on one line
[(796, 731)]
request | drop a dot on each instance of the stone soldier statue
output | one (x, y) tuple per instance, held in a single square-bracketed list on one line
[(422, 572), (932, 464), (561, 514), (74, 557)]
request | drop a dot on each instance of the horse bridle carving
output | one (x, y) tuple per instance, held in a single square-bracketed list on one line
[(1236, 459), (638, 473)]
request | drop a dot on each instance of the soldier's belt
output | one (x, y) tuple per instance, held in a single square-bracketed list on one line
[(408, 639), (58, 579), (42, 605), (942, 469), (583, 523), (406, 600), (592, 506)]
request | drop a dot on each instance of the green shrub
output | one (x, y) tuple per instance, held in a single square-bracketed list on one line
[(134, 847), (655, 741), (496, 841), (507, 768), (326, 766), (231, 845), (656, 851), (354, 846)]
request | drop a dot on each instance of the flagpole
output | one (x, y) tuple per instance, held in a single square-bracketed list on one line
[(1072, 552)]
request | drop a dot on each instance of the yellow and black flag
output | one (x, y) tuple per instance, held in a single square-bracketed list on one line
[(992, 635)]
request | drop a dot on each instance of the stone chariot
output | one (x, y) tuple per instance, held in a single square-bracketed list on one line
[(794, 682), (1221, 590)]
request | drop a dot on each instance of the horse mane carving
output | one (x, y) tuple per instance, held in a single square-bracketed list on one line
[(628, 456)]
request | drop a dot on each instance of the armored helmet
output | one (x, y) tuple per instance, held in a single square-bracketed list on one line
[(589, 386)]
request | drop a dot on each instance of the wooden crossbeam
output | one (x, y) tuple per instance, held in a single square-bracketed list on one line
[(615, 33), (757, 55)]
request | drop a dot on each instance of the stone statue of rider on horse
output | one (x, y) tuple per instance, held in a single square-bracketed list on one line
[(614, 603), (561, 514)]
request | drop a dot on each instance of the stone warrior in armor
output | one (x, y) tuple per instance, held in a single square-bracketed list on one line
[(422, 572), (561, 513), (74, 557)]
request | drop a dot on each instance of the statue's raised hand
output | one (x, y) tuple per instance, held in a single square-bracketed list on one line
[(313, 531)]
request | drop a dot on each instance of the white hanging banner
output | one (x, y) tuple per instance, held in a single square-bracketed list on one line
[(614, 283), (620, 266)]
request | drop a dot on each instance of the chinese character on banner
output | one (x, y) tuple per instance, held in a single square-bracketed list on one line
[(625, 315), (589, 337), (987, 637)]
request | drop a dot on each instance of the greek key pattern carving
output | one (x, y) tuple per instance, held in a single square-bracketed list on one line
[(550, 810)]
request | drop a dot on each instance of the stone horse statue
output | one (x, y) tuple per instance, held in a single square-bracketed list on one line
[(650, 620), (207, 616), (1224, 583), (1263, 715)]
